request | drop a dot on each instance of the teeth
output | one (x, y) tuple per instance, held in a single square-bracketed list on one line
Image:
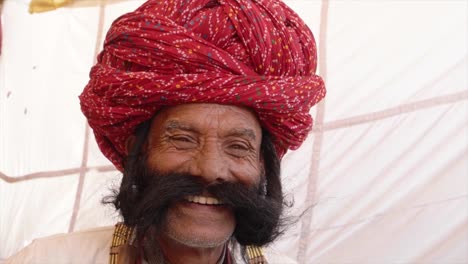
[(210, 200), (203, 200)]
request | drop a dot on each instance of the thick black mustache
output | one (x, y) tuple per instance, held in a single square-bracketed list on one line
[(258, 216), (146, 202)]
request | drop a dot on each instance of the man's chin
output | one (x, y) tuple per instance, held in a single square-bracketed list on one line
[(199, 226), (197, 241)]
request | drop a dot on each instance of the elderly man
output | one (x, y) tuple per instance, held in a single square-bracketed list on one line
[(196, 102)]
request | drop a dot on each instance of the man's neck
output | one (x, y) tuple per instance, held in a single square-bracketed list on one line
[(178, 253)]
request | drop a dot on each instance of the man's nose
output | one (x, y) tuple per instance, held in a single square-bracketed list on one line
[(210, 164)]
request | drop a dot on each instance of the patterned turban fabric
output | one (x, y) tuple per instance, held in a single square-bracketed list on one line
[(251, 53)]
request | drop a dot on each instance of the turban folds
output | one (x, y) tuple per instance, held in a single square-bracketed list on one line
[(252, 53)]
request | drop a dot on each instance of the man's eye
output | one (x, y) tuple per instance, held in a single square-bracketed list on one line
[(183, 142), (238, 149), (182, 139)]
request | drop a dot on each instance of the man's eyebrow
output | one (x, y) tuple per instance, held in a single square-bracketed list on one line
[(172, 125), (242, 132)]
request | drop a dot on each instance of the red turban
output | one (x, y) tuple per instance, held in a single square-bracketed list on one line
[(253, 53)]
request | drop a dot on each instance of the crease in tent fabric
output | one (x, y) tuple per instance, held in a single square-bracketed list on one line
[(458, 231), (395, 77), (361, 223), (376, 218), (84, 163), (391, 112), (389, 212), (318, 137), (437, 79)]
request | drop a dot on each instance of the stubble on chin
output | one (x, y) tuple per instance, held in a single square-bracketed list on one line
[(174, 230)]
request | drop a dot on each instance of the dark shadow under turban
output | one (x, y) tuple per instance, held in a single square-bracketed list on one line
[(257, 54)]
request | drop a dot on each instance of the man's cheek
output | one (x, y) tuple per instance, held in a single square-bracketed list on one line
[(170, 161)]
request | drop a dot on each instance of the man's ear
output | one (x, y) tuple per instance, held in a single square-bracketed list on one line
[(130, 143)]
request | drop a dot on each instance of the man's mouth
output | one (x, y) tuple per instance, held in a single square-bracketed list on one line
[(203, 200)]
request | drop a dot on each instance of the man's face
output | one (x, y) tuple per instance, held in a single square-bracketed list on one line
[(216, 143)]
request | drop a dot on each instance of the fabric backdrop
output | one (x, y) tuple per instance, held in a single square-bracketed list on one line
[(382, 178)]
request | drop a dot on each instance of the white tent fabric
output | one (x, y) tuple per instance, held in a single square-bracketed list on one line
[(383, 177)]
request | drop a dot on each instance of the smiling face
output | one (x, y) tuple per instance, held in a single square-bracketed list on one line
[(217, 143)]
